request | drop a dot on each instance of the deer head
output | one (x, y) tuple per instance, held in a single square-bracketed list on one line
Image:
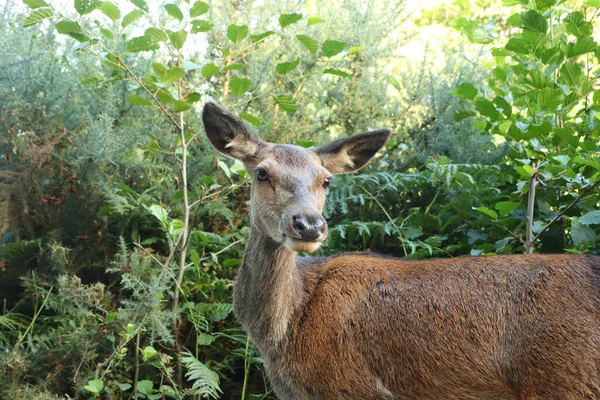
[(289, 183)]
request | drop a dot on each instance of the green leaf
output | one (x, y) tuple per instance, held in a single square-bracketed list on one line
[(86, 6), (466, 91), (180, 106), (460, 115), (260, 36), (577, 26), (232, 67), (308, 42), (131, 17), (38, 16), (338, 72), (593, 3), (486, 108), (250, 118), (107, 33), (571, 74), (503, 104), (110, 10), (136, 100), (95, 386), (141, 43), (159, 69), (534, 21), (307, 144), (172, 75), (288, 19), (549, 99), (582, 46), (286, 103), (199, 25), (35, 3), (145, 387), (177, 38), (518, 46), (285, 67), (356, 49), (491, 213), (205, 339), (199, 8), (314, 20), (157, 35), (332, 47), (210, 70), (174, 11), (66, 27), (581, 233), (567, 135), (237, 33), (141, 4), (506, 207), (239, 86), (590, 218), (148, 352), (193, 97)]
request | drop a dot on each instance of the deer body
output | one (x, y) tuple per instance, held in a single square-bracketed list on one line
[(359, 326)]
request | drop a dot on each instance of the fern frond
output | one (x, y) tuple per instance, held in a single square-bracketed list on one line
[(205, 381)]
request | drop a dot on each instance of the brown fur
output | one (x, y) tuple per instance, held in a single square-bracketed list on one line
[(360, 326)]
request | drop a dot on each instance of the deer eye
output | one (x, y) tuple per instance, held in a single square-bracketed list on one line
[(326, 183), (262, 174)]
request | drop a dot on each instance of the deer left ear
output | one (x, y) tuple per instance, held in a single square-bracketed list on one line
[(349, 154)]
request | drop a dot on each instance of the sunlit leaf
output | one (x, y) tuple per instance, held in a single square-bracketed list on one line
[(110, 10), (199, 8), (239, 86), (210, 70), (285, 67), (237, 33), (131, 18), (157, 35), (66, 27), (250, 118), (308, 42), (332, 47), (199, 25), (288, 19), (338, 72), (260, 36), (286, 103), (38, 16), (136, 100), (141, 43), (86, 6), (35, 3), (177, 38), (315, 20), (174, 11)]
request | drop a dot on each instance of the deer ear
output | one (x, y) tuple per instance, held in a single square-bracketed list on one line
[(352, 153), (229, 135)]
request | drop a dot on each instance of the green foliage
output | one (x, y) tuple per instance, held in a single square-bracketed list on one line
[(540, 100)]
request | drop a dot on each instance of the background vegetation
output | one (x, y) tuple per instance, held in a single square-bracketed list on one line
[(121, 229)]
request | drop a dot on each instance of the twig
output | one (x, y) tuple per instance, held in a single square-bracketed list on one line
[(564, 210), (529, 240)]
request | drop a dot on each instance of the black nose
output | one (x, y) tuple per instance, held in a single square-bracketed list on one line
[(308, 227)]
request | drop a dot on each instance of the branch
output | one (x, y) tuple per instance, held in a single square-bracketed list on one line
[(529, 240), (564, 210)]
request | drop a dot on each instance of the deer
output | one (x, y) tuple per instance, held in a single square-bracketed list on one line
[(367, 326)]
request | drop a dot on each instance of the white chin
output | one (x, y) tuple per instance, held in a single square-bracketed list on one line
[(301, 245)]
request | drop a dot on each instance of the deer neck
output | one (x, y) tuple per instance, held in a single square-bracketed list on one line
[(268, 290)]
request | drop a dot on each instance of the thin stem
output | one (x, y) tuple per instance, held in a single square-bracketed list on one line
[(529, 240), (137, 365), (246, 368)]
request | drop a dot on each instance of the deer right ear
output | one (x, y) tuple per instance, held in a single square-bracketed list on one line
[(229, 135)]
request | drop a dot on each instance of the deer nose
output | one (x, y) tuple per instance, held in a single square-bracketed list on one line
[(308, 227)]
